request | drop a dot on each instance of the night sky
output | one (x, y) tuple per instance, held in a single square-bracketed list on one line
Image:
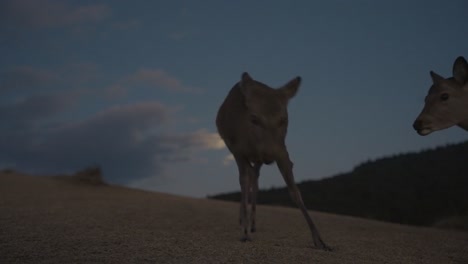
[(134, 86)]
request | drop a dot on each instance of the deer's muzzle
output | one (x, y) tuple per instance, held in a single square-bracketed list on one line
[(421, 127)]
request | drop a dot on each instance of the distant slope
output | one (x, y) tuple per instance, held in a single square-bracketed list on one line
[(415, 188)]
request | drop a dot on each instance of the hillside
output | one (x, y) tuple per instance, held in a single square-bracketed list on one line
[(80, 219), (425, 188)]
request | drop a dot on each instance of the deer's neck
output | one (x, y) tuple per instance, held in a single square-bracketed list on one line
[(464, 124)]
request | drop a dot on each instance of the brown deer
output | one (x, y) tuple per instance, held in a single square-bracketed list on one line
[(253, 122), (446, 103)]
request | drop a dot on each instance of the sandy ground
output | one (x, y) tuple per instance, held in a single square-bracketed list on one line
[(51, 220)]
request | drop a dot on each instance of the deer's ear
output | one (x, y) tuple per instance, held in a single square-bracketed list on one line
[(245, 79), (460, 70), (436, 78), (244, 84), (290, 89)]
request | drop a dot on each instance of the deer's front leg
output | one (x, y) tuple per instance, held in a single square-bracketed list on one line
[(253, 197), (285, 166), (245, 182)]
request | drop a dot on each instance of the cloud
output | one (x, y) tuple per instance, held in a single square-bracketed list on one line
[(24, 122), (90, 13), (157, 78), (32, 109), (80, 72), (128, 141), (50, 13), (119, 139), (115, 91), (206, 140), (147, 78), (228, 160), (41, 133), (25, 78), (137, 116), (122, 139)]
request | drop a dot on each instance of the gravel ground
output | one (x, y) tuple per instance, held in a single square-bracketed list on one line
[(61, 220)]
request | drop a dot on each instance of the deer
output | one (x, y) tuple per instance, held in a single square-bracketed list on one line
[(253, 121), (446, 103)]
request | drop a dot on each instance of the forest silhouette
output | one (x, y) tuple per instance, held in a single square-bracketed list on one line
[(427, 188)]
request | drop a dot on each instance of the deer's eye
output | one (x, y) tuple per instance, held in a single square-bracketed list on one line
[(255, 120), (444, 97)]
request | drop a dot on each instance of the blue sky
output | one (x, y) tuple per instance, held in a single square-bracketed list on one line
[(135, 87)]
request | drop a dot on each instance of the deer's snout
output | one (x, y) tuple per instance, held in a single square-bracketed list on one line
[(418, 124), (422, 127)]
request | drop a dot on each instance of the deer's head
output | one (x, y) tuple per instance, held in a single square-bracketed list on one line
[(446, 103), (267, 112)]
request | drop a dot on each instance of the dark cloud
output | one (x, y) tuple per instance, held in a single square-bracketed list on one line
[(153, 78), (149, 77), (49, 13), (40, 133), (34, 83), (23, 122), (32, 109), (80, 72), (127, 141), (25, 78)]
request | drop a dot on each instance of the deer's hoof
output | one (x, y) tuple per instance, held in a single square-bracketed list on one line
[(245, 239), (245, 234), (322, 246)]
